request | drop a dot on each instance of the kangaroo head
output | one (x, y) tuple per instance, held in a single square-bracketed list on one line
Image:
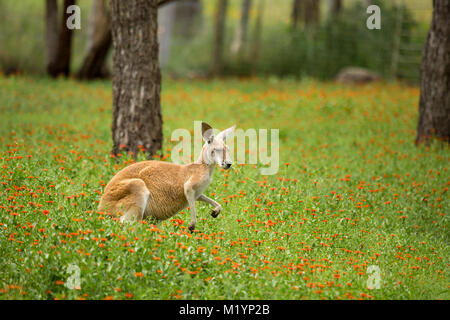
[(215, 151)]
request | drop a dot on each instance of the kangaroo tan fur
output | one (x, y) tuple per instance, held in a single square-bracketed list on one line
[(160, 189)]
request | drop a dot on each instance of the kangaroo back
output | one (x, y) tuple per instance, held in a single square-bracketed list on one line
[(165, 181)]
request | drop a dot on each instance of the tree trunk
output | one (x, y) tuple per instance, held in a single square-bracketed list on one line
[(434, 105), (61, 62), (219, 33), (240, 37), (311, 12), (99, 42), (296, 12), (336, 7), (257, 36), (137, 123), (166, 19)]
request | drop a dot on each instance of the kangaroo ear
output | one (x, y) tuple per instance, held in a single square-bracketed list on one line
[(226, 133), (207, 132)]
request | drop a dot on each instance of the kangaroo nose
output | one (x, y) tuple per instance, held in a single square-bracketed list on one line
[(227, 165)]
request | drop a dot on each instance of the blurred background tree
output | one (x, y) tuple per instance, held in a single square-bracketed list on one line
[(137, 120), (219, 33), (241, 33), (98, 42), (434, 106), (58, 38), (225, 37), (335, 7)]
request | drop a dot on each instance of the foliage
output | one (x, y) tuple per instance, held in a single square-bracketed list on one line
[(22, 36), (337, 43), (322, 52)]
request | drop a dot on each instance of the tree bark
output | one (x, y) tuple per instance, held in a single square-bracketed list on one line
[(137, 121), (240, 37), (99, 42), (434, 104), (219, 34), (61, 63)]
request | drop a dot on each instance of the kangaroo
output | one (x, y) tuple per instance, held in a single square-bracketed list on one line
[(159, 189)]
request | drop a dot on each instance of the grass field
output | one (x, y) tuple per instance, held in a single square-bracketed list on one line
[(354, 199)]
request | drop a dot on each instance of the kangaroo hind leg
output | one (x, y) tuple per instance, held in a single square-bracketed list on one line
[(135, 199)]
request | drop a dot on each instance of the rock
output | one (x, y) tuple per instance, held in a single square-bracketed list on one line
[(357, 76)]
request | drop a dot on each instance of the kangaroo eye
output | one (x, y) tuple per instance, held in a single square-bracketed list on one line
[(212, 153)]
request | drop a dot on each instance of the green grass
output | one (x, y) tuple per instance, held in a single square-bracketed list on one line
[(352, 192)]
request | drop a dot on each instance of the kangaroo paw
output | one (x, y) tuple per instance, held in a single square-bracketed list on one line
[(215, 212)]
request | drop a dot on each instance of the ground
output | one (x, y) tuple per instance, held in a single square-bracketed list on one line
[(354, 205)]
